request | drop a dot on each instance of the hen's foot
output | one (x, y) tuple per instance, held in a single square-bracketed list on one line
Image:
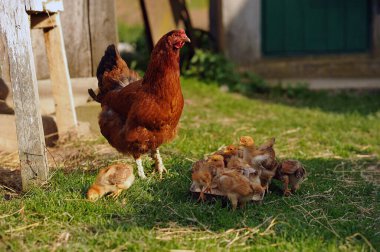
[(159, 165), (140, 168)]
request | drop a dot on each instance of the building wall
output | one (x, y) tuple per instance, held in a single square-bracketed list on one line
[(241, 30), (237, 28)]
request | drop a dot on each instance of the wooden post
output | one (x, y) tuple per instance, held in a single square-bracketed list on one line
[(101, 14), (15, 25), (59, 75), (216, 23), (375, 28)]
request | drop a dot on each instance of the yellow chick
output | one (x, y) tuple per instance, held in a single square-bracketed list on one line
[(215, 163), (114, 179)]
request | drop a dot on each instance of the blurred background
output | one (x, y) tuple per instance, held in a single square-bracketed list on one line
[(275, 39), (254, 47)]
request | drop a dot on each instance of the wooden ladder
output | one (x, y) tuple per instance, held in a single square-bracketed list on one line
[(17, 18)]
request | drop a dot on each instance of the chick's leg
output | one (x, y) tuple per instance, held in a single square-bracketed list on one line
[(140, 168), (201, 196), (285, 179), (158, 162), (116, 193), (234, 201)]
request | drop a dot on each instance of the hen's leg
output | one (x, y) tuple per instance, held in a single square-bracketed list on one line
[(140, 168), (158, 162)]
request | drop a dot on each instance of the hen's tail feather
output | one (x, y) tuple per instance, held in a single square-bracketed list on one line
[(112, 73), (93, 95)]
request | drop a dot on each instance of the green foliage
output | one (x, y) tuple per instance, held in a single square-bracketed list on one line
[(130, 34), (135, 36), (211, 67)]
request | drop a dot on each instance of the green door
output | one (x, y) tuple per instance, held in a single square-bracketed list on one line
[(314, 26)]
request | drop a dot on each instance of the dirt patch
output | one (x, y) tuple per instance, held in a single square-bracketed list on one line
[(10, 179)]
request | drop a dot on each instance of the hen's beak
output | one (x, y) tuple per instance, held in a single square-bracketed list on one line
[(186, 39)]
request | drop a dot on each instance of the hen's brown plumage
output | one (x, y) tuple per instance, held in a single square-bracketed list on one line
[(138, 116)]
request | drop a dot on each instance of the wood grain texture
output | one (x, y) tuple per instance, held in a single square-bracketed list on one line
[(15, 25), (76, 32), (43, 5), (102, 17), (60, 78)]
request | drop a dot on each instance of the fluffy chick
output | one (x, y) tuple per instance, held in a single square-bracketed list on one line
[(114, 179), (263, 158), (202, 178), (254, 178), (237, 163), (215, 164), (228, 152), (237, 188), (290, 172)]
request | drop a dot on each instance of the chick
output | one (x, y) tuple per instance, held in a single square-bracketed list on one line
[(201, 176), (263, 158), (237, 188), (114, 179), (290, 172), (253, 175), (228, 152), (215, 163), (237, 163), (254, 178)]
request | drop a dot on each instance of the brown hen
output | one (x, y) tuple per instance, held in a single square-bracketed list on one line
[(138, 116)]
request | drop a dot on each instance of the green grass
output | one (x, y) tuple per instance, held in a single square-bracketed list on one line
[(336, 136)]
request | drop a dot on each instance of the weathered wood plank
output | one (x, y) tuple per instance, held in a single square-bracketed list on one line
[(76, 31), (5, 98), (60, 78), (44, 5), (15, 25), (102, 19)]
